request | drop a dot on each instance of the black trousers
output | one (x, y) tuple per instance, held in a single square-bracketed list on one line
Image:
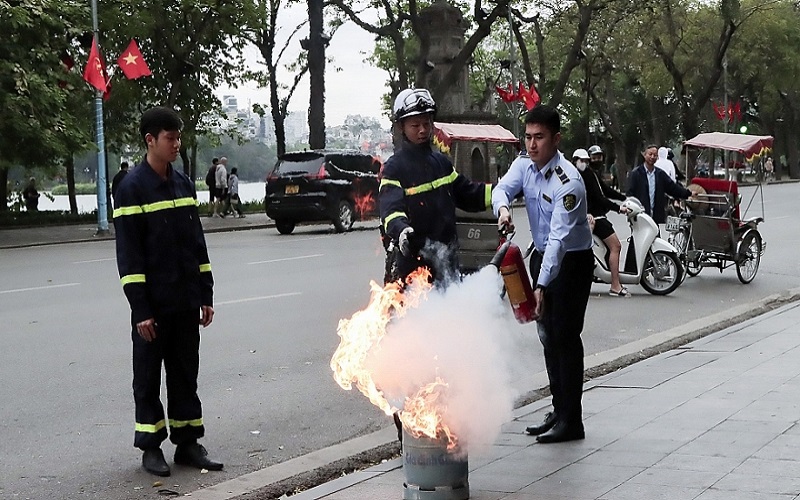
[(177, 346), (560, 327)]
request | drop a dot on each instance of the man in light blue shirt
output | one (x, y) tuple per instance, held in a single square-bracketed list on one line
[(561, 266)]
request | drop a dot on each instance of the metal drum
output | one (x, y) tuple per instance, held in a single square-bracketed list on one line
[(432, 472)]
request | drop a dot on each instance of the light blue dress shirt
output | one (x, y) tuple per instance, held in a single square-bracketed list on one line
[(555, 199), (651, 184)]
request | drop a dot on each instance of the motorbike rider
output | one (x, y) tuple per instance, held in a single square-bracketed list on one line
[(598, 200), (420, 190)]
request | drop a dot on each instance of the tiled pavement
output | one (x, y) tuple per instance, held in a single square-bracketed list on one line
[(715, 419)]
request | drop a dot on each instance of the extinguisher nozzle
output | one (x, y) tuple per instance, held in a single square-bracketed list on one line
[(500, 254)]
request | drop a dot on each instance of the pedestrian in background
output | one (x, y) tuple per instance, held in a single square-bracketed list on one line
[(651, 185), (123, 171), (221, 182), (211, 182), (599, 196), (31, 196), (234, 203), (561, 266), (166, 276)]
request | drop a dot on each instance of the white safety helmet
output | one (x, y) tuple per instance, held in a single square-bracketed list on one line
[(580, 154), (410, 102), (595, 150)]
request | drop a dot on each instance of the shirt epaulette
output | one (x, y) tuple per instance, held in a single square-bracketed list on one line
[(562, 176)]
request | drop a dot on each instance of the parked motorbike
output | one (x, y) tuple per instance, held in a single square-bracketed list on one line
[(648, 260)]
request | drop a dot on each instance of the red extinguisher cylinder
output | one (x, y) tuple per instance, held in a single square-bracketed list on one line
[(517, 283)]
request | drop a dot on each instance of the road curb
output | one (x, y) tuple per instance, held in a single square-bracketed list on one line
[(372, 448)]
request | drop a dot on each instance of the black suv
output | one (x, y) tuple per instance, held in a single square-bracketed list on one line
[(322, 185)]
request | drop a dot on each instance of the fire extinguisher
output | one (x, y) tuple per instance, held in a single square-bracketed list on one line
[(511, 264)]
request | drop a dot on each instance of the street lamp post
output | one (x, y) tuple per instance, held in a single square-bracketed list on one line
[(102, 201)]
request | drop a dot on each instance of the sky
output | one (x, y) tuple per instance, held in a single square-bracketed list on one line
[(352, 86)]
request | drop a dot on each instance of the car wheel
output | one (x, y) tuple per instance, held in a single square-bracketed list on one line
[(284, 226), (344, 217)]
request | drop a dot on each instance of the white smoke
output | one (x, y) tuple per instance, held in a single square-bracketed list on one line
[(466, 335)]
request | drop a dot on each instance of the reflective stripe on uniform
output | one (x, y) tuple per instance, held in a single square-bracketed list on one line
[(389, 182), (155, 207), (205, 268), (151, 428), (488, 197), (391, 217), (198, 422), (132, 278), (430, 186)]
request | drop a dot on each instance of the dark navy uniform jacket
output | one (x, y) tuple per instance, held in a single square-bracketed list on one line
[(421, 189), (161, 251)]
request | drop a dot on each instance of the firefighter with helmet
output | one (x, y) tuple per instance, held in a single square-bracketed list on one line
[(420, 191)]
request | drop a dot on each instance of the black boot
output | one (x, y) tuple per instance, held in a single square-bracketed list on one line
[(548, 423), (561, 432), (195, 455), (154, 463)]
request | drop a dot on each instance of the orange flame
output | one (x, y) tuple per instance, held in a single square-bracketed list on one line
[(422, 413), (364, 204)]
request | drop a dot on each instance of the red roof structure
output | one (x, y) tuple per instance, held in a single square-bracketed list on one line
[(750, 146), (445, 133)]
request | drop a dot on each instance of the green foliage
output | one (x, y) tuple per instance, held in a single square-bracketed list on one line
[(48, 218), (35, 89), (82, 188)]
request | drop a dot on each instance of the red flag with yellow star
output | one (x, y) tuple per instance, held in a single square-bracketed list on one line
[(132, 63), (95, 72)]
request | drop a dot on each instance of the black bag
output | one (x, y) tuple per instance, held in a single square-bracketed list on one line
[(211, 177)]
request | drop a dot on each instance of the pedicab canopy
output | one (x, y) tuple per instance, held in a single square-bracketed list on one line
[(750, 146), (445, 133)]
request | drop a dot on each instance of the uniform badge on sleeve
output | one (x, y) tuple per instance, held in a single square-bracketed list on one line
[(570, 201)]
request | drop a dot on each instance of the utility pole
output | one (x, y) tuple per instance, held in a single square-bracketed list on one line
[(512, 68), (102, 200), (725, 107)]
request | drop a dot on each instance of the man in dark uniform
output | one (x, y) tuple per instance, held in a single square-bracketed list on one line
[(166, 276), (420, 190), (561, 266)]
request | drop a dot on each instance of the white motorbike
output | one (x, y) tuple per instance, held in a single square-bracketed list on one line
[(646, 259)]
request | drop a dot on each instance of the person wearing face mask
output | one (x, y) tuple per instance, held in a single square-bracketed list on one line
[(598, 201), (420, 190)]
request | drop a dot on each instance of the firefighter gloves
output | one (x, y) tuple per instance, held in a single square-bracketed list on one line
[(404, 241)]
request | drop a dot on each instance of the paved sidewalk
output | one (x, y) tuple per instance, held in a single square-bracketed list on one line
[(50, 235), (714, 419)]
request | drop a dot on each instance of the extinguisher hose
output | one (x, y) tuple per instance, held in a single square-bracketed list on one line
[(500, 254)]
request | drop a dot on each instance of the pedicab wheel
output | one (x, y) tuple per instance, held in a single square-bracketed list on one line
[(685, 246), (748, 256), (662, 273)]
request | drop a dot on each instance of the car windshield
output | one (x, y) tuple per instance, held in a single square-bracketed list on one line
[(299, 164)]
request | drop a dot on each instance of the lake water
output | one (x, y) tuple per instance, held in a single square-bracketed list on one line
[(248, 191)]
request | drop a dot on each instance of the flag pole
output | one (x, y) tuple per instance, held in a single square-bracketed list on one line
[(102, 200)]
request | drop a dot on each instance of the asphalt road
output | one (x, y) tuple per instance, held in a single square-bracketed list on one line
[(67, 415)]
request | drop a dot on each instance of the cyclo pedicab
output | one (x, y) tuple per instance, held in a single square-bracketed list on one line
[(712, 232)]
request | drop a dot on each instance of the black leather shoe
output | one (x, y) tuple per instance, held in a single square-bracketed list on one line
[(562, 432), (549, 421), (154, 463), (195, 455)]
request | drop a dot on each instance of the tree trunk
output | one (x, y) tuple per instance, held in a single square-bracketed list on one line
[(316, 70), (4, 188), (193, 159), (69, 164)]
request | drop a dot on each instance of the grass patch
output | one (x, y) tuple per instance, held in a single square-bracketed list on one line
[(45, 218), (80, 188)]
